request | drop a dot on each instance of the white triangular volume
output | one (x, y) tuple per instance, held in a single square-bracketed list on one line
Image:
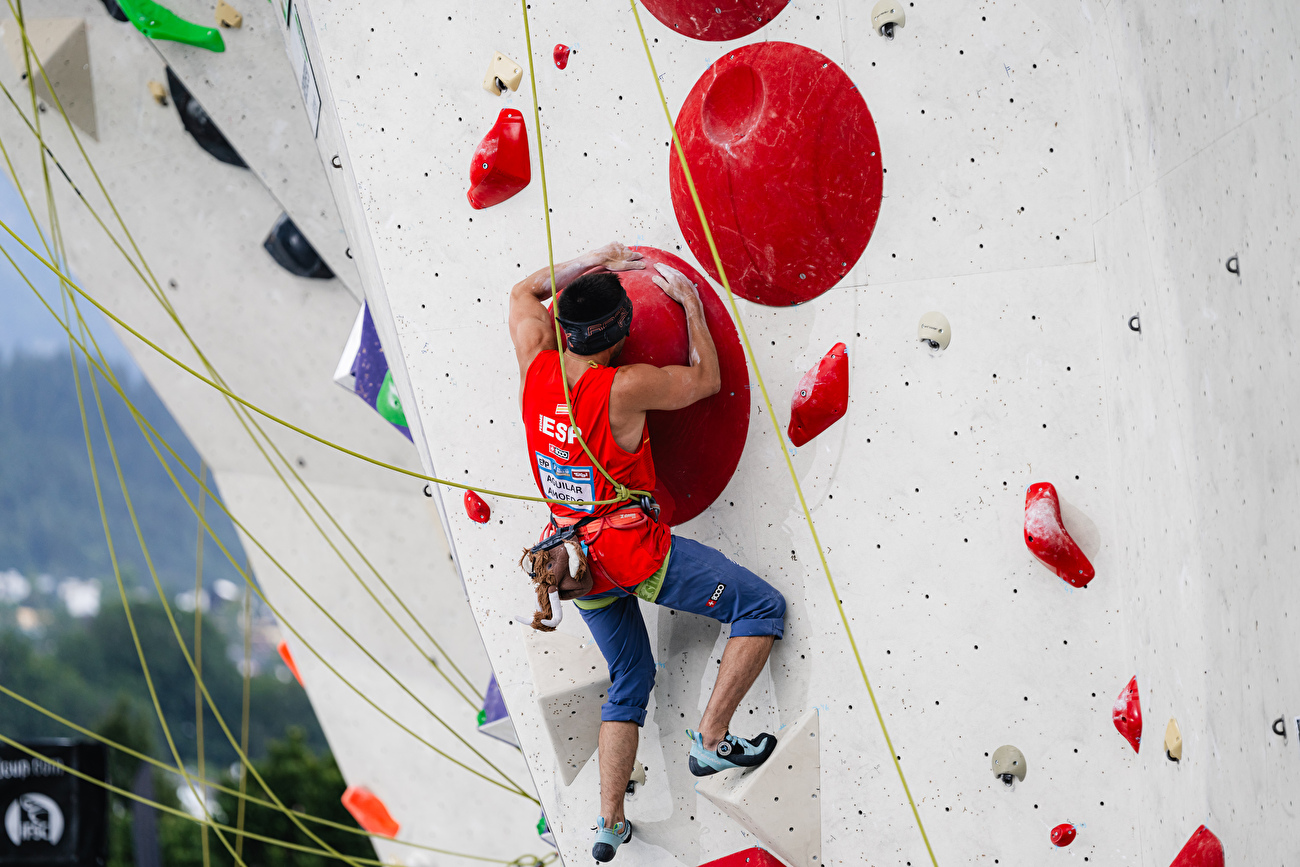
[(572, 681), (779, 802), (61, 47), (343, 374)]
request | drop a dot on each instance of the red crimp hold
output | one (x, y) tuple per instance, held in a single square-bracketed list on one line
[(1127, 714), (755, 857), (500, 167), (1046, 536), (1202, 850), (561, 55), (283, 650), (476, 508), (369, 811), (822, 396), (1063, 835)]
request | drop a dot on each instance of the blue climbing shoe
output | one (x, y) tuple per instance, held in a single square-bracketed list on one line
[(608, 841), (732, 752)]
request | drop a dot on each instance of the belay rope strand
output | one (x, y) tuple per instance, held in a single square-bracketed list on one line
[(776, 426)]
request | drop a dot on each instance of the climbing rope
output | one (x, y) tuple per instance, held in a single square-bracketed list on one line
[(622, 492), (776, 427)]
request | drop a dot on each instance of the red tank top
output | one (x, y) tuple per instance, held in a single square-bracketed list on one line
[(562, 470)]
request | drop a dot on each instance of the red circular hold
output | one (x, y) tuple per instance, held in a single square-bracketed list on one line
[(786, 160), (561, 55), (1063, 835), (478, 511), (696, 449), (715, 20)]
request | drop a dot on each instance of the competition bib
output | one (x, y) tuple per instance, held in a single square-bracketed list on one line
[(565, 483)]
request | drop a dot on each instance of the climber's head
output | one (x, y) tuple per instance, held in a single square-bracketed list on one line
[(596, 314)]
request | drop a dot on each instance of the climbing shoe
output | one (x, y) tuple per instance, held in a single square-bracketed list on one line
[(732, 752), (608, 841)]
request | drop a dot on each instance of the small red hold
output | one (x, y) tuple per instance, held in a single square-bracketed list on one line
[(500, 167), (822, 396), (1202, 850), (1127, 714), (561, 55), (369, 811), (1046, 536), (478, 511), (1063, 835), (283, 650)]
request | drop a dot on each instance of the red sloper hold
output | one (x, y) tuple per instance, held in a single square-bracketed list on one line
[(822, 396), (696, 449), (283, 650), (1047, 538), (755, 857), (786, 160), (715, 20), (500, 167), (478, 511), (1063, 835), (1202, 850), (561, 55), (369, 811), (1127, 714)]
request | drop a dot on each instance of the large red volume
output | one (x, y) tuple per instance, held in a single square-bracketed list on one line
[(695, 449), (1202, 850), (822, 396), (369, 811), (1127, 714), (755, 857), (283, 650), (715, 20), (786, 160), (479, 512), (500, 167), (1063, 835), (1046, 536)]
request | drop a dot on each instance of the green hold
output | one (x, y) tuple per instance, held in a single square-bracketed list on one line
[(482, 716), (388, 403), (159, 22)]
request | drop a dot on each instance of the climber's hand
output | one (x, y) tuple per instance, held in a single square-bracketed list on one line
[(616, 257), (676, 286)]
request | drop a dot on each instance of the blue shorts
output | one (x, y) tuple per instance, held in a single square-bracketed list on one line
[(699, 580)]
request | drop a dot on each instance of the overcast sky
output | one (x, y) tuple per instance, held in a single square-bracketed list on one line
[(25, 325)]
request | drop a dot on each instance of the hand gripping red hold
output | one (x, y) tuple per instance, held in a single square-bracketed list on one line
[(821, 398), (500, 167), (478, 511), (1202, 850), (1063, 835), (1046, 536), (561, 55), (1127, 714)]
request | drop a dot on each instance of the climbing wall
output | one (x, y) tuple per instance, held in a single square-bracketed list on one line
[(277, 338), (1066, 184)]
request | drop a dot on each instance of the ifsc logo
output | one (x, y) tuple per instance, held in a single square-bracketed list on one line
[(34, 817)]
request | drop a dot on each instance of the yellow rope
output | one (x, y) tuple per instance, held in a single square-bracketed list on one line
[(776, 427), (621, 491), (244, 713), (198, 656), (239, 794)]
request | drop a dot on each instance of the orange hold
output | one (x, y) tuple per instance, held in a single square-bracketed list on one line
[(283, 648), (369, 811)]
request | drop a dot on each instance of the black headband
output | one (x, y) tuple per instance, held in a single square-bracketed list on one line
[(589, 338)]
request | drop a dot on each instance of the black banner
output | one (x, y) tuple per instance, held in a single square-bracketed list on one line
[(51, 817)]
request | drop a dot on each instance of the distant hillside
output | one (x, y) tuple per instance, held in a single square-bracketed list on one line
[(49, 520)]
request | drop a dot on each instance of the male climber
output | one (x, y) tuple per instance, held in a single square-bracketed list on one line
[(635, 556)]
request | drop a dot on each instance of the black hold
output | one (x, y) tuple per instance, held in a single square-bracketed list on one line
[(1135, 323), (1279, 727), (631, 787), (1234, 267), (198, 124), (427, 492), (1007, 779), (348, 252), (114, 10), (293, 252), (336, 162), (888, 30), (500, 85)]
